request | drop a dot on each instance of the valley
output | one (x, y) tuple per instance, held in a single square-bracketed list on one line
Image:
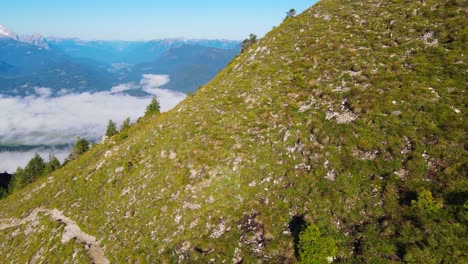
[(66, 75)]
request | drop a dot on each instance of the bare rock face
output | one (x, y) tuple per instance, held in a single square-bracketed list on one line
[(237, 259), (71, 231), (252, 233), (183, 250)]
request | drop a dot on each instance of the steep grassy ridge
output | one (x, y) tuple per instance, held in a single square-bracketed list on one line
[(349, 118)]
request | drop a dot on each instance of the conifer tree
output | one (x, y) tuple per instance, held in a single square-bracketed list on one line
[(111, 129), (3, 193), (153, 107), (23, 176), (34, 169), (52, 164), (17, 181), (249, 41), (291, 13), (81, 146), (125, 124)]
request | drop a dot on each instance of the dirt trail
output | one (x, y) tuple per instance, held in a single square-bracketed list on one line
[(71, 231)]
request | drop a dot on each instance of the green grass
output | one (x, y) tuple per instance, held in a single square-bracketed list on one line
[(245, 143)]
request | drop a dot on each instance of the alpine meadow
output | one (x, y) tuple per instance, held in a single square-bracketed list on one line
[(338, 137)]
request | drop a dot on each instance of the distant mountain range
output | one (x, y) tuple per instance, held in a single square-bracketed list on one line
[(5, 68), (189, 65), (131, 52), (35, 39), (29, 61)]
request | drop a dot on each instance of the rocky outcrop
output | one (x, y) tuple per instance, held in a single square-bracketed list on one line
[(71, 231)]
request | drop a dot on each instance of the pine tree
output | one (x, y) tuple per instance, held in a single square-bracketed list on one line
[(111, 129), (125, 124), (34, 169), (291, 13), (153, 107), (17, 181), (81, 146), (3, 193), (248, 42), (51, 165)]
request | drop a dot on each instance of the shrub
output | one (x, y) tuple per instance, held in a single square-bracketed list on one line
[(316, 247), (426, 202)]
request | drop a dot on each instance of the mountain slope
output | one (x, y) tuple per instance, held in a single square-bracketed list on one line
[(36, 40), (28, 65), (5, 68), (26, 56), (349, 118), (134, 52), (7, 33)]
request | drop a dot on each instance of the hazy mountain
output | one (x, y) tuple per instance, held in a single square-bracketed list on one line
[(6, 68), (36, 40), (26, 56), (189, 66), (339, 137), (7, 33), (129, 52), (28, 61), (26, 66)]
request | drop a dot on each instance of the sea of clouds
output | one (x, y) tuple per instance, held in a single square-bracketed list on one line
[(43, 119)]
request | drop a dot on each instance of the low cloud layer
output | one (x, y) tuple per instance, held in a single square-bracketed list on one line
[(43, 120), (123, 87), (10, 161), (153, 81)]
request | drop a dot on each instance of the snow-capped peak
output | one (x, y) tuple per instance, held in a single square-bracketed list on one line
[(35, 39), (5, 32)]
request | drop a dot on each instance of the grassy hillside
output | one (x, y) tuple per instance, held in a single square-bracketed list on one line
[(348, 118)]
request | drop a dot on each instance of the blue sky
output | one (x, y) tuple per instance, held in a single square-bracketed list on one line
[(146, 19)]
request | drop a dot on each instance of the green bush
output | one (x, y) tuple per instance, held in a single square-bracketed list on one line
[(426, 202), (316, 247)]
